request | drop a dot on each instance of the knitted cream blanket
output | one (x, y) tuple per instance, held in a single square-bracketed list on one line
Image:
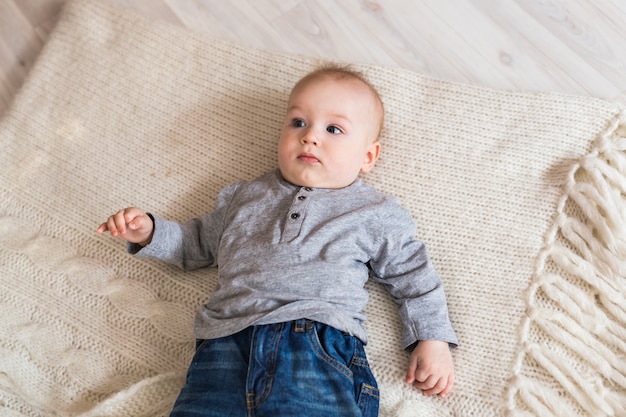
[(519, 196)]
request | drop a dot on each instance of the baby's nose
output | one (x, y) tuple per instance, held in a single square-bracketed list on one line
[(310, 137)]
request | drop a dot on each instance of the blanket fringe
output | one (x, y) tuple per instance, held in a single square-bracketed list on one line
[(575, 325)]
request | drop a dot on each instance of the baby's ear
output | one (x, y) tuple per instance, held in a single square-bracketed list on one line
[(371, 156)]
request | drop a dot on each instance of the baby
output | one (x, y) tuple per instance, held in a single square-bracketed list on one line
[(283, 333)]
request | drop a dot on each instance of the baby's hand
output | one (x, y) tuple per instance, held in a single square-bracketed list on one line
[(131, 224), (430, 368)]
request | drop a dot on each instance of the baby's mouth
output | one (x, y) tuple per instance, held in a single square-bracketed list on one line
[(308, 157)]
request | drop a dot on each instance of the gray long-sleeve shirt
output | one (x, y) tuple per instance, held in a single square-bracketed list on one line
[(286, 252)]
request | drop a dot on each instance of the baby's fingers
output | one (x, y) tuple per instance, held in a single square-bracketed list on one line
[(131, 223), (117, 223), (448, 388), (102, 228), (140, 223), (441, 387)]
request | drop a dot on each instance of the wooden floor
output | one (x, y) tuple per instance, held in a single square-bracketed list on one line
[(571, 46)]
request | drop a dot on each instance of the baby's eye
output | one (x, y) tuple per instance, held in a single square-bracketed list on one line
[(334, 130), (297, 123)]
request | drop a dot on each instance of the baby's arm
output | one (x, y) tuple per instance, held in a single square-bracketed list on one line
[(131, 224), (430, 368)]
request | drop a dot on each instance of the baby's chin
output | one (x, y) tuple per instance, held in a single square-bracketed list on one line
[(330, 185), (318, 183)]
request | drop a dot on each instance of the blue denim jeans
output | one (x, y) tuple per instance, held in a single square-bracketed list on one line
[(300, 368)]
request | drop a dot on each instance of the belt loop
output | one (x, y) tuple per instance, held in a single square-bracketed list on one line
[(299, 326), (303, 325)]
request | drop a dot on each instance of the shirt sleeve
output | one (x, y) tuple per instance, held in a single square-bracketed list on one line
[(190, 245), (402, 265)]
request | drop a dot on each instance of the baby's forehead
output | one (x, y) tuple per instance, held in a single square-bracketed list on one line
[(330, 77), (352, 83)]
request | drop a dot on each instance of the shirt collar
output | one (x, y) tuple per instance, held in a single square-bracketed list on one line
[(283, 182)]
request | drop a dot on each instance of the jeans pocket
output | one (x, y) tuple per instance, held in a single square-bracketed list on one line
[(368, 400), (332, 347), (368, 396)]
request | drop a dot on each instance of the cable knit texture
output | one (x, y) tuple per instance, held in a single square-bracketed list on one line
[(518, 195)]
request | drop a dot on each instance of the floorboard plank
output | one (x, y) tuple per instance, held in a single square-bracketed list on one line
[(570, 46)]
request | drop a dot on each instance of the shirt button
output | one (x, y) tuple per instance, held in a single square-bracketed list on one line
[(308, 189), (302, 197), (295, 215)]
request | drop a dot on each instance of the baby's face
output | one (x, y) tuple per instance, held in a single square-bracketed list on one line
[(329, 134)]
